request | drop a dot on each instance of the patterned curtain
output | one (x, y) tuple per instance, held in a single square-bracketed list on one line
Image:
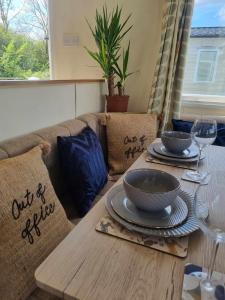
[(169, 72)]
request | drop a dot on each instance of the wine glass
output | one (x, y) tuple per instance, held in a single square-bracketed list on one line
[(203, 133), (209, 207)]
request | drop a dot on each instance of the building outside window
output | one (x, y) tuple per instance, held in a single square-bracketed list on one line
[(204, 76), (205, 65)]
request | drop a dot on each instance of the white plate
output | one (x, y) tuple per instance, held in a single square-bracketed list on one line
[(187, 227), (171, 216), (151, 151)]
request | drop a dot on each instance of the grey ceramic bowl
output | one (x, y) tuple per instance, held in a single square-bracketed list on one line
[(151, 190), (176, 141)]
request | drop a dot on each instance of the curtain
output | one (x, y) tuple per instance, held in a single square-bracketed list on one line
[(167, 82)]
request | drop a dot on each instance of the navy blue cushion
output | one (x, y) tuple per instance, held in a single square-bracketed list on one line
[(83, 167), (180, 125)]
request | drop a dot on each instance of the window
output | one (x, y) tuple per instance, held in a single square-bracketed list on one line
[(206, 66), (24, 39), (204, 75)]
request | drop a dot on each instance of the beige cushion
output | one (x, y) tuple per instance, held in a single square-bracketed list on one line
[(20, 144), (32, 222), (51, 160), (128, 135), (92, 121), (49, 134), (74, 126)]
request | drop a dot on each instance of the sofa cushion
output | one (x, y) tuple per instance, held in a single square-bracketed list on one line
[(20, 144), (92, 121), (128, 135), (74, 126), (69, 207), (83, 167), (95, 122), (51, 160), (32, 222)]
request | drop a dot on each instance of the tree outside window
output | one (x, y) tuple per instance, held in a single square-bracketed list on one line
[(24, 39)]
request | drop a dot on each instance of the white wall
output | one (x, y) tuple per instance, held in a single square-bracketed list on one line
[(89, 98), (25, 109)]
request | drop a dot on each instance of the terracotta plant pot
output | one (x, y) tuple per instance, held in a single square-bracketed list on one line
[(117, 103)]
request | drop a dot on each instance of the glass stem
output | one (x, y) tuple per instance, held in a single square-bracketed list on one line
[(199, 156), (213, 258)]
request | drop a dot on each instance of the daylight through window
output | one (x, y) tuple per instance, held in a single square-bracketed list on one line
[(204, 75), (24, 39)]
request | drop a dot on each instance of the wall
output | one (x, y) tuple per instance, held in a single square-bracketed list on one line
[(67, 20), (25, 109)]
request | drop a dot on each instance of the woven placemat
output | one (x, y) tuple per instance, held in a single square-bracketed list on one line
[(173, 246), (191, 284)]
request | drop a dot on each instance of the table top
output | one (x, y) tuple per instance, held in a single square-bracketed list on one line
[(89, 265)]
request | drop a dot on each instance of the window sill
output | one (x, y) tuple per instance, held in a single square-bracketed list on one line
[(28, 83), (194, 106), (204, 101)]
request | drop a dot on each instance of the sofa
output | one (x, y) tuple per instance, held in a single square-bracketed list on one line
[(19, 145)]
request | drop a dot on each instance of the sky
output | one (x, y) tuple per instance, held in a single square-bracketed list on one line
[(209, 13), (20, 18)]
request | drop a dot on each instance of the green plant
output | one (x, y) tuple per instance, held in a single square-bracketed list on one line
[(108, 33), (21, 57), (122, 73)]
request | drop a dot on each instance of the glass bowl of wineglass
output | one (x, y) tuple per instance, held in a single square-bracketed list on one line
[(203, 134), (209, 207)]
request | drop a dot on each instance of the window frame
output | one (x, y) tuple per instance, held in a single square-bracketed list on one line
[(205, 49)]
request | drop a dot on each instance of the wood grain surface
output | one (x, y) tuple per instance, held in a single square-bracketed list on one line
[(89, 265)]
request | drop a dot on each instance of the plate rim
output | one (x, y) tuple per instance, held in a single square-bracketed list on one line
[(148, 226), (177, 231), (151, 151)]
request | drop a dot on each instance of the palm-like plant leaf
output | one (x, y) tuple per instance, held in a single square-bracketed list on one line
[(118, 70), (122, 72), (108, 33), (125, 60)]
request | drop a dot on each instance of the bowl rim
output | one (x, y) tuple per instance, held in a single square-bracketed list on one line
[(170, 131), (146, 192)]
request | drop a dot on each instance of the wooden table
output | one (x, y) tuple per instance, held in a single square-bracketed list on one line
[(89, 265)]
